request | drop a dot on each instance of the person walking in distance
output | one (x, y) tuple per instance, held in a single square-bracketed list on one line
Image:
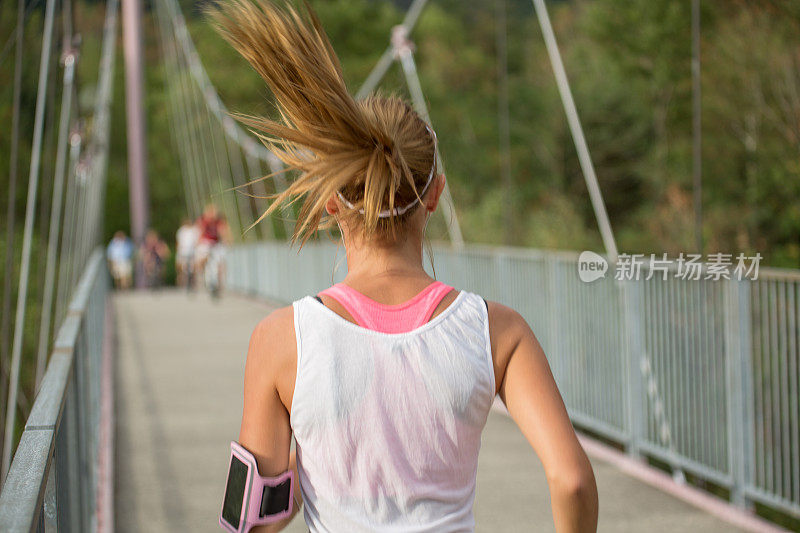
[(185, 243), (119, 254), (153, 253), (386, 379)]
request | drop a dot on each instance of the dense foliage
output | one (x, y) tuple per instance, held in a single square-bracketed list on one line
[(630, 68), (629, 65)]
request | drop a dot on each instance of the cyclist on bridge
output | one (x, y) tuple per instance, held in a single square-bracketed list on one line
[(385, 380), (210, 250)]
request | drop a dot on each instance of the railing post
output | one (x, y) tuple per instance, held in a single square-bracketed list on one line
[(252, 280), (738, 343), (632, 314), (82, 426), (66, 471), (555, 287), (49, 515)]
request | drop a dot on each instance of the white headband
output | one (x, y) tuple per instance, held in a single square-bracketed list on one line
[(397, 211)]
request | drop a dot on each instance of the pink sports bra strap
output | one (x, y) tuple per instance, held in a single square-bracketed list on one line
[(400, 318)]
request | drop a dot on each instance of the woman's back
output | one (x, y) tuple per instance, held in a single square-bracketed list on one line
[(388, 425)]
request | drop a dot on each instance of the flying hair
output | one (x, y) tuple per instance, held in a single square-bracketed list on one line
[(377, 155)]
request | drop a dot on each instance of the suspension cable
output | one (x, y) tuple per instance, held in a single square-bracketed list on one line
[(404, 52), (69, 57), (55, 216), (224, 179), (385, 62), (67, 231), (260, 197), (503, 120), (179, 123), (215, 104), (234, 152), (180, 89), (20, 23), (190, 201), (575, 127), (401, 48), (11, 208), (33, 182)]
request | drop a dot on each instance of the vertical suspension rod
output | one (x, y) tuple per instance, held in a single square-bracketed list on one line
[(55, 214), (449, 212), (382, 66), (577, 131), (30, 213), (5, 323)]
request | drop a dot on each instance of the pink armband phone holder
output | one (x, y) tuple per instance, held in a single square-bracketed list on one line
[(251, 499)]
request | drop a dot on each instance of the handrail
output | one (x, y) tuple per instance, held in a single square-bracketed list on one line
[(64, 396), (700, 374)]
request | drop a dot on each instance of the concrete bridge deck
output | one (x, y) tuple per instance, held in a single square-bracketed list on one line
[(179, 370)]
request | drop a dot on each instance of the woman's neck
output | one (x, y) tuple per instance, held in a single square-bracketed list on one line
[(369, 264)]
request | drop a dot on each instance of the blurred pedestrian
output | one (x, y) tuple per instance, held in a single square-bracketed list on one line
[(186, 240), (120, 255), (153, 253)]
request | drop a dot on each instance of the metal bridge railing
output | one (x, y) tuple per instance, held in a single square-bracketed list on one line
[(52, 480), (702, 375)]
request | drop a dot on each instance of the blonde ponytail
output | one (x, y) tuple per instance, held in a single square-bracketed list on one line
[(376, 153)]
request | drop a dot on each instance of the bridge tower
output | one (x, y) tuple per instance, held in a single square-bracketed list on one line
[(139, 196)]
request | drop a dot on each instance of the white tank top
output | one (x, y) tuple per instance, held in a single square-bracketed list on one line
[(388, 425)]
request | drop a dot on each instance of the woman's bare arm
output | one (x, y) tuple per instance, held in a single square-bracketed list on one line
[(526, 386), (265, 431)]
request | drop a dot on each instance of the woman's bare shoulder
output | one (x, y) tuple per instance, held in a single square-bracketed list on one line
[(507, 329), (272, 355), (274, 330)]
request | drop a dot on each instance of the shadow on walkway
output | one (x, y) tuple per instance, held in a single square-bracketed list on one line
[(179, 373)]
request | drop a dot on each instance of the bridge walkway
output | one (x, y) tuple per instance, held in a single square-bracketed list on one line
[(179, 367)]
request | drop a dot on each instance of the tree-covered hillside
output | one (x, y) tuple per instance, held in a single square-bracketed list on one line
[(629, 64)]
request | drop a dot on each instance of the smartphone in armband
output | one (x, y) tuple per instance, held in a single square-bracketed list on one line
[(251, 499)]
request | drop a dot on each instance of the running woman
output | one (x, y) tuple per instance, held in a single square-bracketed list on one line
[(385, 380)]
